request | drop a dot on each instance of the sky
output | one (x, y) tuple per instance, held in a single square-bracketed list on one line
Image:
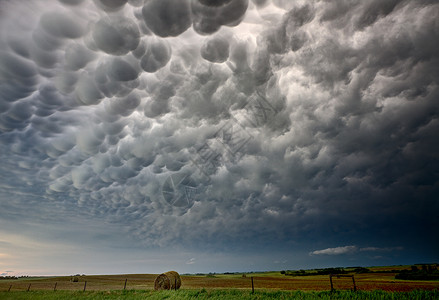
[(217, 136)]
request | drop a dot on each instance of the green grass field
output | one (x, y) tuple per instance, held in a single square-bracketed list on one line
[(380, 283), (216, 294)]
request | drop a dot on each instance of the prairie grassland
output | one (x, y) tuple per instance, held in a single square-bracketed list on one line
[(272, 281), (217, 295)]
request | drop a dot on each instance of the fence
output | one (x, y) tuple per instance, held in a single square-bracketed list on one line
[(344, 286), (146, 282)]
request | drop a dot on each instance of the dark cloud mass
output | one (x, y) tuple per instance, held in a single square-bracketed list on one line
[(215, 50), (116, 35), (164, 21), (233, 124), (155, 56)]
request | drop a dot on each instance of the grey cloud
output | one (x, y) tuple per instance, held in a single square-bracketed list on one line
[(214, 2), (261, 66), (44, 59), (167, 17), (287, 35), (110, 5), (161, 93), (298, 40), (209, 19), (117, 79), (46, 41), (65, 82), (299, 16), (136, 3), (86, 90), (19, 46), (215, 50), (21, 111), (337, 11), (260, 3), (116, 35), (18, 77), (239, 57), (285, 4), (121, 70), (123, 106), (375, 10), (71, 2), (48, 100), (64, 143), (61, 25), (157, 54), (89, 141), (14, 66), (80, 175), (77, 56), (374, 249)]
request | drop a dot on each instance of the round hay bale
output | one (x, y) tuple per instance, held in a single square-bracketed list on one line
[(168, 281)]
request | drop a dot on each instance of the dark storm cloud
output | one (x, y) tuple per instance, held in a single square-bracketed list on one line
[(61, 25), (110, 5), (18, 77), (77, 56), (167, 17), (155, 54), (322, 116), (215, 50), (116, 35), (71, 2), (209, 16)]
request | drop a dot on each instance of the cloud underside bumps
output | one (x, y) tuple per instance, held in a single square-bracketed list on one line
[(322, 116)]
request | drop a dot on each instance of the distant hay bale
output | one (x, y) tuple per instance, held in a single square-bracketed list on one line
[(168, 281)]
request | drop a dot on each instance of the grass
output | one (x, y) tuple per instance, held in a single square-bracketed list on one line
[(264, 281), (268, 285), (217, 294)]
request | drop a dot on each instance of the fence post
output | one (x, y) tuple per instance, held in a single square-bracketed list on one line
[(330, 280), (10, 287), (353, 281), (253, 286), (54, 289), (125, 285), (28, 288), (85, 285)]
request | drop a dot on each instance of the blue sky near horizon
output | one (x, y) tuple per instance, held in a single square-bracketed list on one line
[(217, 136)]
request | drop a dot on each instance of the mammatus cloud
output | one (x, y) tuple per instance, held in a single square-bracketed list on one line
[(224, 122)]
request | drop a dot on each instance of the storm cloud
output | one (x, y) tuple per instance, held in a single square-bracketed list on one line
[(226, 124)]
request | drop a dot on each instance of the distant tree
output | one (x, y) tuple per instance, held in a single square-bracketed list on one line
[(361, 270), (414, 268)]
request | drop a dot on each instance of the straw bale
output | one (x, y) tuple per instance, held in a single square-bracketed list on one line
[(168, 281)]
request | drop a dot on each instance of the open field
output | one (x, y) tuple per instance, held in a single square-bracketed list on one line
[(218, 295), (141, 286)]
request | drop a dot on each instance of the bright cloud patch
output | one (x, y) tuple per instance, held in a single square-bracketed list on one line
[(335, 251)]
